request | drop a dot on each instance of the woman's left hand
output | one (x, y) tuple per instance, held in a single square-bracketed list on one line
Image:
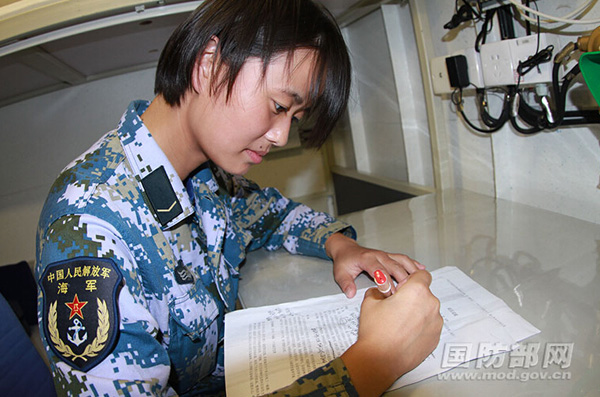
[(350, 259)]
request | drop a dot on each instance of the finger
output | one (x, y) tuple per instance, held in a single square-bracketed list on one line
[(420, 276), (384, 285), (346, 283), (398, 272), (407, 263)]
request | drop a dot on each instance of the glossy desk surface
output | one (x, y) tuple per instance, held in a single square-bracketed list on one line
[(544, 265)]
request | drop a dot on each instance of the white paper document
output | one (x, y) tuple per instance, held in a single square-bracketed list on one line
[(269, 347)]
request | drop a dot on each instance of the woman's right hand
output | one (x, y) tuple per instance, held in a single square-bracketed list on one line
[(395, 334)]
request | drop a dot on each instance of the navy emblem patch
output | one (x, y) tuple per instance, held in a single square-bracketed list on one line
[(80, 315)]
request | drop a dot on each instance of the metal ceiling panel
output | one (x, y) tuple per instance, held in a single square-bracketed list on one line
[(16, 79), (117, 48)]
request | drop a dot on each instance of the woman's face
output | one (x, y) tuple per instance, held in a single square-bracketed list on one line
[(239, 132)]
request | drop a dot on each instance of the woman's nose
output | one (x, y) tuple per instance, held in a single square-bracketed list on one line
[(278, 134)]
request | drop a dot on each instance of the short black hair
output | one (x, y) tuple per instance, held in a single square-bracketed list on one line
[(262, 29)]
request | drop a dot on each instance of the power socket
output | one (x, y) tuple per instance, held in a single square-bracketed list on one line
[(500, 60), (497, 65)]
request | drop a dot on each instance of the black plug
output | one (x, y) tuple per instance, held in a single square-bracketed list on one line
[(458, 71)]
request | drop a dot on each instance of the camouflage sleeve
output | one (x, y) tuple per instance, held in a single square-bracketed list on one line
[(329, 380), (97, 331), (275, 221), (304, 231)]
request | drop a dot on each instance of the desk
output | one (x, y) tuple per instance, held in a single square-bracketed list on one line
[(544, 265)]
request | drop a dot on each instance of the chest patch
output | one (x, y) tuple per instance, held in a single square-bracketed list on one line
[(80, 315)]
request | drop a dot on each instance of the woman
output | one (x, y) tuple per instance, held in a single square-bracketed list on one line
[(141, 238)]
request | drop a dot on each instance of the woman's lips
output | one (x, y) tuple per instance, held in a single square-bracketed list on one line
[(256, 157)]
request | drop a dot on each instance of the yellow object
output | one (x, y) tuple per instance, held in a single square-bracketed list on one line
[(590, 43)]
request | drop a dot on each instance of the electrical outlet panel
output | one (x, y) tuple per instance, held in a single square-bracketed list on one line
[(524, 47), (439, 76), (500, 60), (496, 63)]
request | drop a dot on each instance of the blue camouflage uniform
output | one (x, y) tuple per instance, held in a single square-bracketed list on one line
[(137, 269)]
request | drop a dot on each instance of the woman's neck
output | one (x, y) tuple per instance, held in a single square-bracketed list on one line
[(167, 125)]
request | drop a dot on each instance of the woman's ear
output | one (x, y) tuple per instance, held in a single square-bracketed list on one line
[(204, 66)]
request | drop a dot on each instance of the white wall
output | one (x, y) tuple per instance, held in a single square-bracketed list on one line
[(374, 111), (42, 135), (387, 120), (558, 171)]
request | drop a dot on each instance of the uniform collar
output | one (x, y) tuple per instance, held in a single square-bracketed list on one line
[(165, 192), (204, 176)]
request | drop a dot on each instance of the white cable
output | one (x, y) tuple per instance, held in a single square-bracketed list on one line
[(577, 11), (524, 8), (550, 18), (553, 19), (573, 13), (583, 6)]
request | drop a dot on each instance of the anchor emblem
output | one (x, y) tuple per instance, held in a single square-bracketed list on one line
[(77, 328)]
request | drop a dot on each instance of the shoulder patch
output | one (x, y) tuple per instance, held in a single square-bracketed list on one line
[(162, 197), (80, 314)]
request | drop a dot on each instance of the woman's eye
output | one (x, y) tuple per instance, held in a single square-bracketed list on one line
[(279, 108), (283, 109)]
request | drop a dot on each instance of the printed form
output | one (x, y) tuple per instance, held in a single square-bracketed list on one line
[(269, 347)]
